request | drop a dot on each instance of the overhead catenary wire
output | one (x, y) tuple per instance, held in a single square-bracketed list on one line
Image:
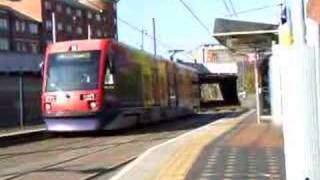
[(232, 8), (130, 25), (255, 9), (142, 31), (227, 7), (135, 28), (195, 16), (160, 42)]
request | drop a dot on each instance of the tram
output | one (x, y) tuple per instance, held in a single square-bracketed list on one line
[(91, 85)]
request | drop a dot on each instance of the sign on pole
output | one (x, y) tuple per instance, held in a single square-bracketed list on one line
[(313, 10)]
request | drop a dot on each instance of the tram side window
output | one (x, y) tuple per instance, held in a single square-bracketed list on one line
[(109, 74)]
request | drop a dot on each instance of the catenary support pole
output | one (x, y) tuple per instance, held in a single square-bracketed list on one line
[(54, 35), (154, 37), (89, 31), (142, 39), (203, 55)]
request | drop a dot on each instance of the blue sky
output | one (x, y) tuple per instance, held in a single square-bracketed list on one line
[(176, 27)]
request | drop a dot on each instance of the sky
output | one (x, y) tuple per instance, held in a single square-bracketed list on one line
[(176, 28)]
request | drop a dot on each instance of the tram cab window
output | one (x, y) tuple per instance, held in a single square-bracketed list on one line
[(110, 70)]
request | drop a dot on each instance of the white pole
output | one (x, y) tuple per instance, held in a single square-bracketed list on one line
[(275, 85), (313, 39), (53, 27), (89, 31), (298, 22), (257, 88), (300, 108)]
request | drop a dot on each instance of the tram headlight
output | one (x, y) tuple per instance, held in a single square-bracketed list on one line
[(93, 105), (47, 106)]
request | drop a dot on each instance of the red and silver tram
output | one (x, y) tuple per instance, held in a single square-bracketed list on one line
[(102, 84)]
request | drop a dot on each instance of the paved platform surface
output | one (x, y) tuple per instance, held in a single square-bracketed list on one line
[(248, 151), (233, 148)]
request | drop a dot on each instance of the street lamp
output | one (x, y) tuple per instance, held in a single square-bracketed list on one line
[(174, 52)]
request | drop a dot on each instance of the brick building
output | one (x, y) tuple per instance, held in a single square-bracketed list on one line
[(19, 27), (27, 27)]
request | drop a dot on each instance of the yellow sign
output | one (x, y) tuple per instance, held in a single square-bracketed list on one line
[(285, 35)]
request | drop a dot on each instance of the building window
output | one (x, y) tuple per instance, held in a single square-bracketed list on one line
[(68, 10), (33, 28), (17, 24), (34, 48), (4, 44), (3, 23), (48, 25), (98, 17), (69, 28), (47, 5), (3, 11), (99, 33), (79, 30), (18, 46), (89, 15), (60, 26), (79, 13), (23, 47), (114, 6), (105, 34), (23, 26), (59, 8)]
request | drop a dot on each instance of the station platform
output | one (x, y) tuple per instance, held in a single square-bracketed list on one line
[(13, 132), (232, 148)]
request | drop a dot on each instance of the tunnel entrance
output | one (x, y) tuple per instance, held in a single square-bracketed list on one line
[(218, 91)]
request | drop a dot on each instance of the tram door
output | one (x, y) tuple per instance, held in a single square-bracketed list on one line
[(109, 81), (155, 85), (172, 84)]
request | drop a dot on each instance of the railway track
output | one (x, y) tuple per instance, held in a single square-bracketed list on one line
[(89, 156)]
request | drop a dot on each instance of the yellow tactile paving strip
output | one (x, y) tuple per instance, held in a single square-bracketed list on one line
[(178, 166)]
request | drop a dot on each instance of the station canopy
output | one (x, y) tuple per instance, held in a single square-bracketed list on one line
[(245, 37), (20, 62)]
